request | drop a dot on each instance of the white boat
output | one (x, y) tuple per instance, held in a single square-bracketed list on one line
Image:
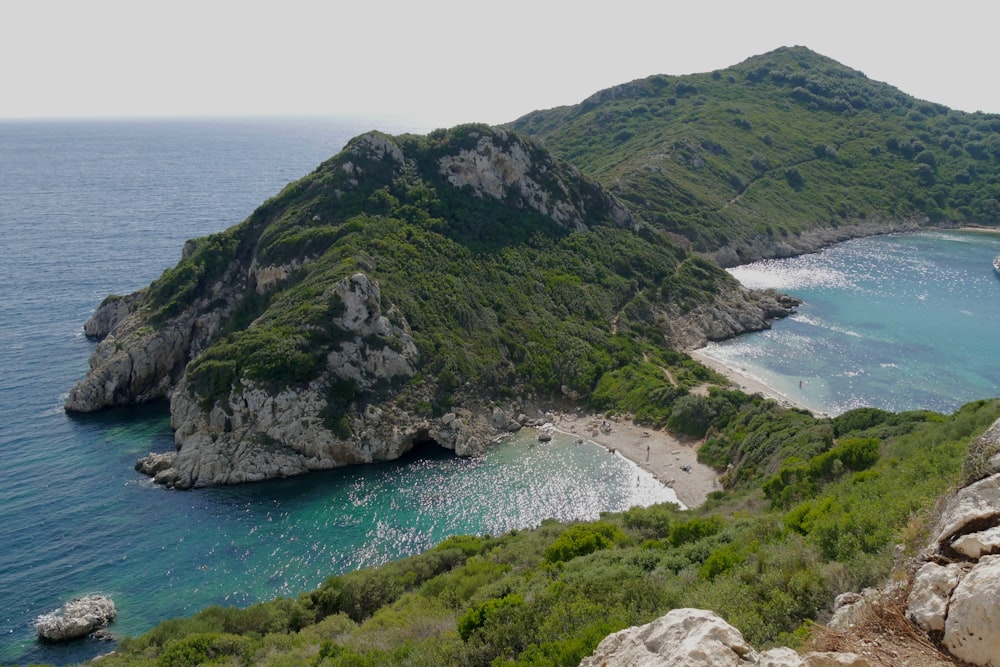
[(996, 264)]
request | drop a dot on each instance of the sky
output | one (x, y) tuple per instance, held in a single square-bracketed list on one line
[(444, 62)]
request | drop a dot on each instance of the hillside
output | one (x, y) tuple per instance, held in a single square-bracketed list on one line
[(769, 560), (782, 153), (399, 293)]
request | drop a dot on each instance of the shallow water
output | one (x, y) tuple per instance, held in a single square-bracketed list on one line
[(900, 322)]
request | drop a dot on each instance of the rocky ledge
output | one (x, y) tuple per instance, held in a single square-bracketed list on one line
[(699, 638), (77, 618)]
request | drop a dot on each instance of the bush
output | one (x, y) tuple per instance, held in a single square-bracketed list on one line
[(582, 539)]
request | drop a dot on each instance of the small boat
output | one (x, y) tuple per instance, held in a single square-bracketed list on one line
[(996, 264)]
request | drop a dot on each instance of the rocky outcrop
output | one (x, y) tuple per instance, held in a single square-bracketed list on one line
[(955, 591), (136, 362), (77, 618), (729, 314), (258, 434), (512, 170), (699, 638)]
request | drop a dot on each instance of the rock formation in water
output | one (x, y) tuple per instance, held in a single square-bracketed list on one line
[(77, 618)]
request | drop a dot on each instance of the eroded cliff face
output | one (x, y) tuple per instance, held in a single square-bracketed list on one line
[(257, 433)]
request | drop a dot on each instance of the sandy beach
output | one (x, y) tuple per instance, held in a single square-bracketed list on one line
[(746, 383), (671, 460)]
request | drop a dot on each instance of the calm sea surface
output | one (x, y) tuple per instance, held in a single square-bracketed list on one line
[(93, 208), (899, 322)]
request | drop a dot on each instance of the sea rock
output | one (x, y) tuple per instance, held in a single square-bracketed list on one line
[(77, 618), (154, 463), (499, 419), (683, 637), (972, 629), (927, 603)]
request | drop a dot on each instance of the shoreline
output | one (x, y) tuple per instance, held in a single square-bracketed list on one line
[(748, 383), (671, 460)]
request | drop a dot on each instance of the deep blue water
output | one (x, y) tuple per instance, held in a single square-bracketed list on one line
[(93, 208), (899, 322)]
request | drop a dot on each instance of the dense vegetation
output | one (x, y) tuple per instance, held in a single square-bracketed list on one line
[(769, 557), (778, 144), (500, 299)]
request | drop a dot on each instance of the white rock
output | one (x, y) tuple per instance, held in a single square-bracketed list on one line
[(77, 618), (977, 545), (780, 657), (974, 504), (927, 604), (972, 629), (681, 638)]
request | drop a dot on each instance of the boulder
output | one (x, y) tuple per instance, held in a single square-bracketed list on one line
[(977, 545), (77, 618), (976, 505), (972, 629), (682, 638), (927, 604), (154, 463)]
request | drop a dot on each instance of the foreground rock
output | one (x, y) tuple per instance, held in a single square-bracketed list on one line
[(699, 638), (77, 618), (955, 592)]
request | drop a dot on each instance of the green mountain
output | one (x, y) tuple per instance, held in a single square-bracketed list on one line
[(400, 293), (782, 153)]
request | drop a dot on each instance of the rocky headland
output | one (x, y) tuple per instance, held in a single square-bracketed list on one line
[(281, 353)]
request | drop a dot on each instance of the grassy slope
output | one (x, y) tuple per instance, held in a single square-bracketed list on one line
[(775, 145)]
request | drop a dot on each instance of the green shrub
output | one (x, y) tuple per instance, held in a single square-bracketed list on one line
[(582, 539)]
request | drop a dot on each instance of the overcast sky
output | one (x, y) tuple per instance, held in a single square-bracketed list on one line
[(444, 62)]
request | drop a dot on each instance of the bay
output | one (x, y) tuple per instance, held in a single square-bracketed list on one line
[(898, 322), (93, 208)]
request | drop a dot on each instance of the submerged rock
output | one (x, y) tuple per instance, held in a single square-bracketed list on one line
[(77, 618)]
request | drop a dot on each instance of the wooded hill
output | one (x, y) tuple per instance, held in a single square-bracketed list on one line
[(742, 160)]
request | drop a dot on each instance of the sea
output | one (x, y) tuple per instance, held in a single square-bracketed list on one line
[(898, 322), (91, 208), (98, 207)]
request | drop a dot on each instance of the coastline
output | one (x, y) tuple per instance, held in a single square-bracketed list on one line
[(748, 383), (671, 460)]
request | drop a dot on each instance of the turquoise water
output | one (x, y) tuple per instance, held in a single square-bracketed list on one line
[(899, 322), (88, 209)]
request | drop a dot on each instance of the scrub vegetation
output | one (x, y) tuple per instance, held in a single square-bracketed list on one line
[(768, 554)]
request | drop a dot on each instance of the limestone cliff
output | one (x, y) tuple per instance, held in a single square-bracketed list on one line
[(388, 298)]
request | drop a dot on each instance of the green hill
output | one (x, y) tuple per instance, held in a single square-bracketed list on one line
[(765, 158)]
